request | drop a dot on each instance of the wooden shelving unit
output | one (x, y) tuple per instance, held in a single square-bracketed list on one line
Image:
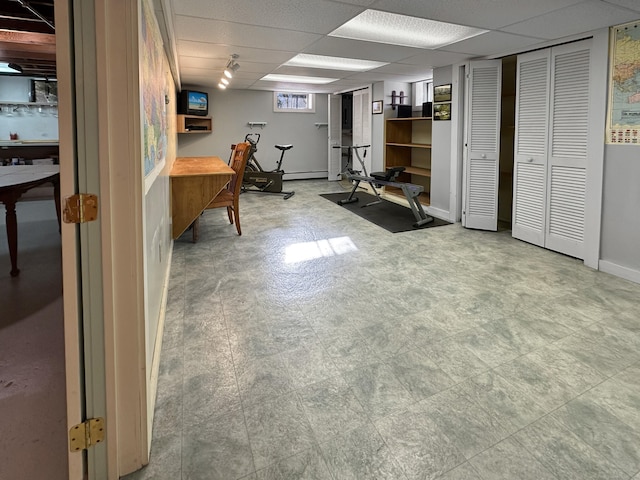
[(408, 144), (194, 124)]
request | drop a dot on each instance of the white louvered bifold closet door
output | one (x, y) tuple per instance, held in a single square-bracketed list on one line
[(483, 146), (334, 166), (362, 125), (569, 132), (530, 158)]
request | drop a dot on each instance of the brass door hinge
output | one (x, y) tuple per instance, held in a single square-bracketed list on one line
[(80, 208), (86, 434)]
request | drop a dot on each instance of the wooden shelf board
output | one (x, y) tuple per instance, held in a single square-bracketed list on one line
[(409, 145), (407, 119), (424, 198), (423, 172)]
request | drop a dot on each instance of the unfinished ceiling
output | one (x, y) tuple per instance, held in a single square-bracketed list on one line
[(27, 36), (266, 34)]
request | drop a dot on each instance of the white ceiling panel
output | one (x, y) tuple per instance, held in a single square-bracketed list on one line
[(343, 47), (631, 4), (492, 43), (588, 15), (214, 31), (223, 52), (435, 58), (267, 33), (317, 16), (490, 14)]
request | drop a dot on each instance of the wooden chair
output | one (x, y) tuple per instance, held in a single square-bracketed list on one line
[(229, 196)]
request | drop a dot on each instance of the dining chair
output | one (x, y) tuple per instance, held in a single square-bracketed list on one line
[(229, 196)]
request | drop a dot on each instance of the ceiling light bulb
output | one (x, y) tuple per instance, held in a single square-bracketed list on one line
[(227, 73), (222, 86), (224, 80)]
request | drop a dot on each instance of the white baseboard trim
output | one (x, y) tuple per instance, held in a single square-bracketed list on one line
[(438, 212), (157, 351), (619, 271), (304, 175)]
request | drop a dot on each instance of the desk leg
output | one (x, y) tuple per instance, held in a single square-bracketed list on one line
[(12, 235)]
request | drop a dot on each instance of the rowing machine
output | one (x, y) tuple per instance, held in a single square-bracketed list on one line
[(386, 178)]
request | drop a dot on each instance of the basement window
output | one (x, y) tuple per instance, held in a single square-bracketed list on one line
[(293, 102)]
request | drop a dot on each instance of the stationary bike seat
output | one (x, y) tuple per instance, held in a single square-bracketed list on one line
[(284, 147)]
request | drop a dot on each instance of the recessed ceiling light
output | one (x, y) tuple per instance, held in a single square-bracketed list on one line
[(297, 79), (333, 63), (394, 29)]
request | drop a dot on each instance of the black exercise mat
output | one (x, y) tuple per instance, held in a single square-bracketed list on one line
[(389, 215)]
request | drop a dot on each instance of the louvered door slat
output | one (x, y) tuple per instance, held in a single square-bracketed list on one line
[(530, 177), (481, 165), (567, 171)]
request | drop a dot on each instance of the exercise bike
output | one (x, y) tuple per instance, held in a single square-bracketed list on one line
[(256, 179)]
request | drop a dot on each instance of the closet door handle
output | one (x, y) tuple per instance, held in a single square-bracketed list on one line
[(484, 155), (529, 160)]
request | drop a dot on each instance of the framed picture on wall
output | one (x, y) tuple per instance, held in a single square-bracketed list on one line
[(442, 93), (442, 111), (376, 107)]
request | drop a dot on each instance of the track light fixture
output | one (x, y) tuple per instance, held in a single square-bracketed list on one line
[(229, 71)]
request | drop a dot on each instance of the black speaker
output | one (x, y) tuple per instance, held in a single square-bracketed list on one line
[(404, 111), (427, 109)]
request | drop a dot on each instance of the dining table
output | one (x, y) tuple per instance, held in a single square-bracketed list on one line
[(15, 180)]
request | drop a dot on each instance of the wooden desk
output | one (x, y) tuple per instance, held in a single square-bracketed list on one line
[(195, 181), (14, 181)]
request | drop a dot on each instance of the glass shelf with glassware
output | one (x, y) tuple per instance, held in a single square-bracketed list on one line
[(43, 109)]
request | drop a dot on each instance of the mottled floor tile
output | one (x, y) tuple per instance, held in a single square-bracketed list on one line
[(378, 389), (415, 440), (165, 461), (621, 396), (307, 465), (264, 378), (217, 448), (512, 407), (386, 339), (455, 360), (419, 375), (349, 352), (470, 427), (361, 454), (487, 347), (537, 382), (245, 321), (607, 434), (564, 454), (278, 429), (332, 408), (508, 460), (309, 364), (463, 472)]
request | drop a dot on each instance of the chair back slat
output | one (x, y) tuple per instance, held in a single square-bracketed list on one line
[(238, 164)]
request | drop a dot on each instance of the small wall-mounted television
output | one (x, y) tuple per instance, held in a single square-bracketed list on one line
[(191, 102)]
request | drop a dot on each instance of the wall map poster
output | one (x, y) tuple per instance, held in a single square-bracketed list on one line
[(624, 107), (153, 89)]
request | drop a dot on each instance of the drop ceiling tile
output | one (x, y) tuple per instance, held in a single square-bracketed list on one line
[(489, 14), (317, 16), (312, 72), (631, 4), (587, 16), (492, 43), (435, 58), (404, 69), (215, 31), (189, 48), (343, 47)]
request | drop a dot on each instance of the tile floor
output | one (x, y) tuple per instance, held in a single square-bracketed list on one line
[(319, 346)]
